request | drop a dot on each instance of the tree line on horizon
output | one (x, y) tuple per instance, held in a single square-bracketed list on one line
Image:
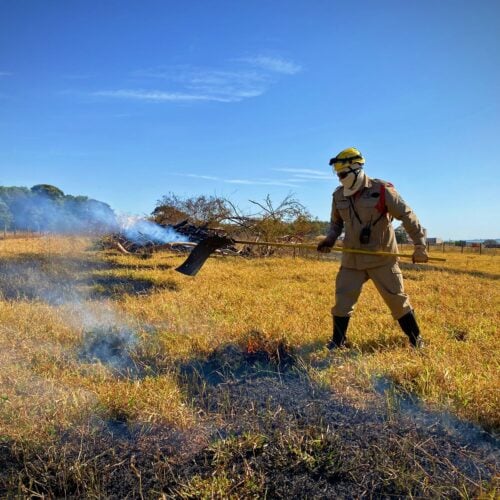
[(45, 208)]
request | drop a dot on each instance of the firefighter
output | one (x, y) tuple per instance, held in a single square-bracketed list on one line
[(364, 208)]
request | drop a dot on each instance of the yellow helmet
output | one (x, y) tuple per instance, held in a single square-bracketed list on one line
[(346, 158)]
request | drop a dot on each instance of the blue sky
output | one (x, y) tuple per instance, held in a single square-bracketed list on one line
[(126, 101)]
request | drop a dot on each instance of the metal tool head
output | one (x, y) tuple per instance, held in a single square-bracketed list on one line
[(201, 253)]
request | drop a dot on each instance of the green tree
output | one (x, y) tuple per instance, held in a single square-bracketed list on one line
[(99, 215), (18, 199), (401, 235), (48, 190), (5, 216)]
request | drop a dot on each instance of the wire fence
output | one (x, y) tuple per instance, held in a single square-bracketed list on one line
[(445, 247), (452, 247)]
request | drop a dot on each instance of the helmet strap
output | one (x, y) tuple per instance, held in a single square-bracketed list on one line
[(355, 171)]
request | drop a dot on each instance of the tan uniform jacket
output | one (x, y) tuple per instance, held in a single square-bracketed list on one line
[(374, 206)]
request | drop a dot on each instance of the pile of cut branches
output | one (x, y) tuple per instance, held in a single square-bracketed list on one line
[(144, 245)]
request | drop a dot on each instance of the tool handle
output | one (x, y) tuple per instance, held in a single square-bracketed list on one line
[(335, 249)]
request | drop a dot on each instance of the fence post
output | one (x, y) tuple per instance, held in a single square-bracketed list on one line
[(462, 247), (480, 248)]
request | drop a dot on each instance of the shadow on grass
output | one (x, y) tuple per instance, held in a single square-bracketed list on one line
[(457, 272), (116, 286), (84, 263), (369, 346), (58, 280), (355, 349), (152, 267)]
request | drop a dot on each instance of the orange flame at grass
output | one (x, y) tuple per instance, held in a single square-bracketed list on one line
[(252, 346)]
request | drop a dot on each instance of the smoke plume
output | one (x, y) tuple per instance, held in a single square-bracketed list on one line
[(142, 231), (107, 338), (45, 208)]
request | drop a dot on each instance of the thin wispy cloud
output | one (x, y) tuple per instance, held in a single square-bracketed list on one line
[(5, 74), (306, 173), (274, 64), (249, 182), (245, 182), (161, 96), (235, 85), (244, 79), (198, 84), (206, 177)]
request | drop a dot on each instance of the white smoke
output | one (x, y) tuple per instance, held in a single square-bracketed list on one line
[(141, 231), (106, 336), (442, 422), (66, 214)]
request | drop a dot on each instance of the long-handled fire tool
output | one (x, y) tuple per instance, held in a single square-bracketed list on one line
[(205, 248)]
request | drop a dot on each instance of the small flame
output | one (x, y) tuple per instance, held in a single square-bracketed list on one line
[(252, 346)]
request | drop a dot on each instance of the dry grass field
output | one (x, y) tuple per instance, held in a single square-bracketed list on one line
[(123, 378)]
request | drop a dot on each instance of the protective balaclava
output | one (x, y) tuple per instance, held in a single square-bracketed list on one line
[(353, 180)]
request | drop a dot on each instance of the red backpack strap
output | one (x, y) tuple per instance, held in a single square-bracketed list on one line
[(380, 206)]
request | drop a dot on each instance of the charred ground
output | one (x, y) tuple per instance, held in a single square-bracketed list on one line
[(263, 428)]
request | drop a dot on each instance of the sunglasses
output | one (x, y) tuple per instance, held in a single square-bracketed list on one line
[(343, 175)]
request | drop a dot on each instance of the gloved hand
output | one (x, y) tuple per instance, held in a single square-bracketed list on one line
[(420, 254), (325, 245)]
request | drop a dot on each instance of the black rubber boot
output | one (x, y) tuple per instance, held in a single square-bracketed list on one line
[(340, 324), (409, 325)]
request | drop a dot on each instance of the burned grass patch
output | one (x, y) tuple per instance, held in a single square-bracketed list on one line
[(279, 434), (271, 434), (123, 351), (233, 362), (298, 463), (294, 438), (111, 346), (101, 460), (286, 436)]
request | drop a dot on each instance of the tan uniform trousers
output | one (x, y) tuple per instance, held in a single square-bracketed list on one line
[(388, 281)]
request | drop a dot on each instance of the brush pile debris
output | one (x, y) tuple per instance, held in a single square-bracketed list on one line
[(144, 245)]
